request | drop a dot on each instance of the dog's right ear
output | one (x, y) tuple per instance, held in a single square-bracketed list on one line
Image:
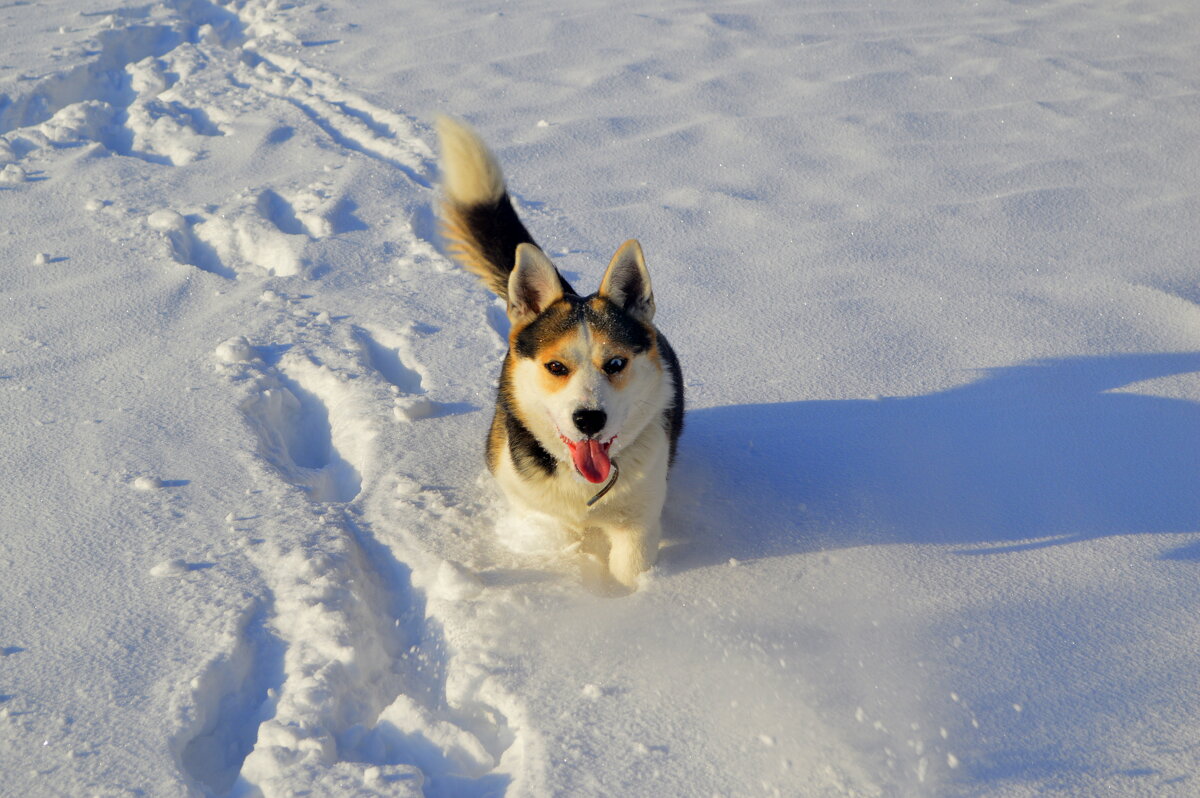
[(626, 282), (533, 286)]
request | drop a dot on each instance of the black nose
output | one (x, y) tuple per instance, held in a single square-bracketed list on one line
[(589, 422)]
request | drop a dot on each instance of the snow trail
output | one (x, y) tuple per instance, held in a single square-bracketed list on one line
[(362, 704), (365, 697), (337, 678)]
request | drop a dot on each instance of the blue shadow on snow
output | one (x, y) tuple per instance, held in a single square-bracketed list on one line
[(1045, 452)]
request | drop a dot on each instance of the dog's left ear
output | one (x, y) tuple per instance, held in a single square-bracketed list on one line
[(626, 283)]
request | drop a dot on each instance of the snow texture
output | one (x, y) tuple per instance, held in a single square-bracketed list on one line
[(930, 268)]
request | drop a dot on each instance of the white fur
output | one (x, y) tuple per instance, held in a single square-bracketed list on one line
[(629, 515)]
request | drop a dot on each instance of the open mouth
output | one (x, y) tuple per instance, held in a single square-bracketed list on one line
[(590, 457)]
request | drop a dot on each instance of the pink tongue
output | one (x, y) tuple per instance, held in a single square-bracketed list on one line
[(591, 460)]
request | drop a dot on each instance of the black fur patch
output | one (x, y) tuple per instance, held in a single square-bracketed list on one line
[(498, 231), (673, 415), (527, 454), (572, 311)]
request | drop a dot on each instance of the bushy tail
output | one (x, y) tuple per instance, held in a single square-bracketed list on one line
[(479, 225)]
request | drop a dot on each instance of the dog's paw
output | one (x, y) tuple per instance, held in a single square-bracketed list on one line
[(631, 555)]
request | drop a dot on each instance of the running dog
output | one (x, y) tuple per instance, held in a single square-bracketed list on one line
[(590, 403)]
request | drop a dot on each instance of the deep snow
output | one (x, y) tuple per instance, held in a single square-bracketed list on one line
[(930, 268)]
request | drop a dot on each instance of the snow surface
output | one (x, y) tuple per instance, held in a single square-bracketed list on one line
[(931, 271)]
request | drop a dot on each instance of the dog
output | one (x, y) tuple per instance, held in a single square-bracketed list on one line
[(590, 402)]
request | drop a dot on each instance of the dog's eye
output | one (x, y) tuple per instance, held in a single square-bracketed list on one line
[(557, 369), (615, 365)]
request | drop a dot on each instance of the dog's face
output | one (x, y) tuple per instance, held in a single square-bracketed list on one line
[(585, 371)]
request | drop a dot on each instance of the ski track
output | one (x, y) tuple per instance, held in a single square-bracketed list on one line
[(335, 678)]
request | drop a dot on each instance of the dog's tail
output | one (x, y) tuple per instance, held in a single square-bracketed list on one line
[(479, 225)]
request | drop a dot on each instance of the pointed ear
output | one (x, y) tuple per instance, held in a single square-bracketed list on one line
[(533, 285), (627, 283)]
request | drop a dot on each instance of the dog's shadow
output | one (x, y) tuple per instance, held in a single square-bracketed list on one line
[(1031, 455)]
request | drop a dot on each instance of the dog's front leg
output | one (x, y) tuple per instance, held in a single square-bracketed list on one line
[(632, 549)]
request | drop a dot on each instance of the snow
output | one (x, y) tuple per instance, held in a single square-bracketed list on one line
[(930, 268)]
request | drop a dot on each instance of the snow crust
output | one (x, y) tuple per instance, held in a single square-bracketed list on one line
[(930, 268)]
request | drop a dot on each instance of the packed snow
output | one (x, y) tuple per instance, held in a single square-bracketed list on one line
[(930, 268)]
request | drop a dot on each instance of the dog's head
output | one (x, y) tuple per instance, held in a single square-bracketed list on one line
[(586, 374)]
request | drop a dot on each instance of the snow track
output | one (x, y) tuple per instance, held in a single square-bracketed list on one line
[(228, 701), (348, 119), (337, 678), (127, 96), (363, 705)]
